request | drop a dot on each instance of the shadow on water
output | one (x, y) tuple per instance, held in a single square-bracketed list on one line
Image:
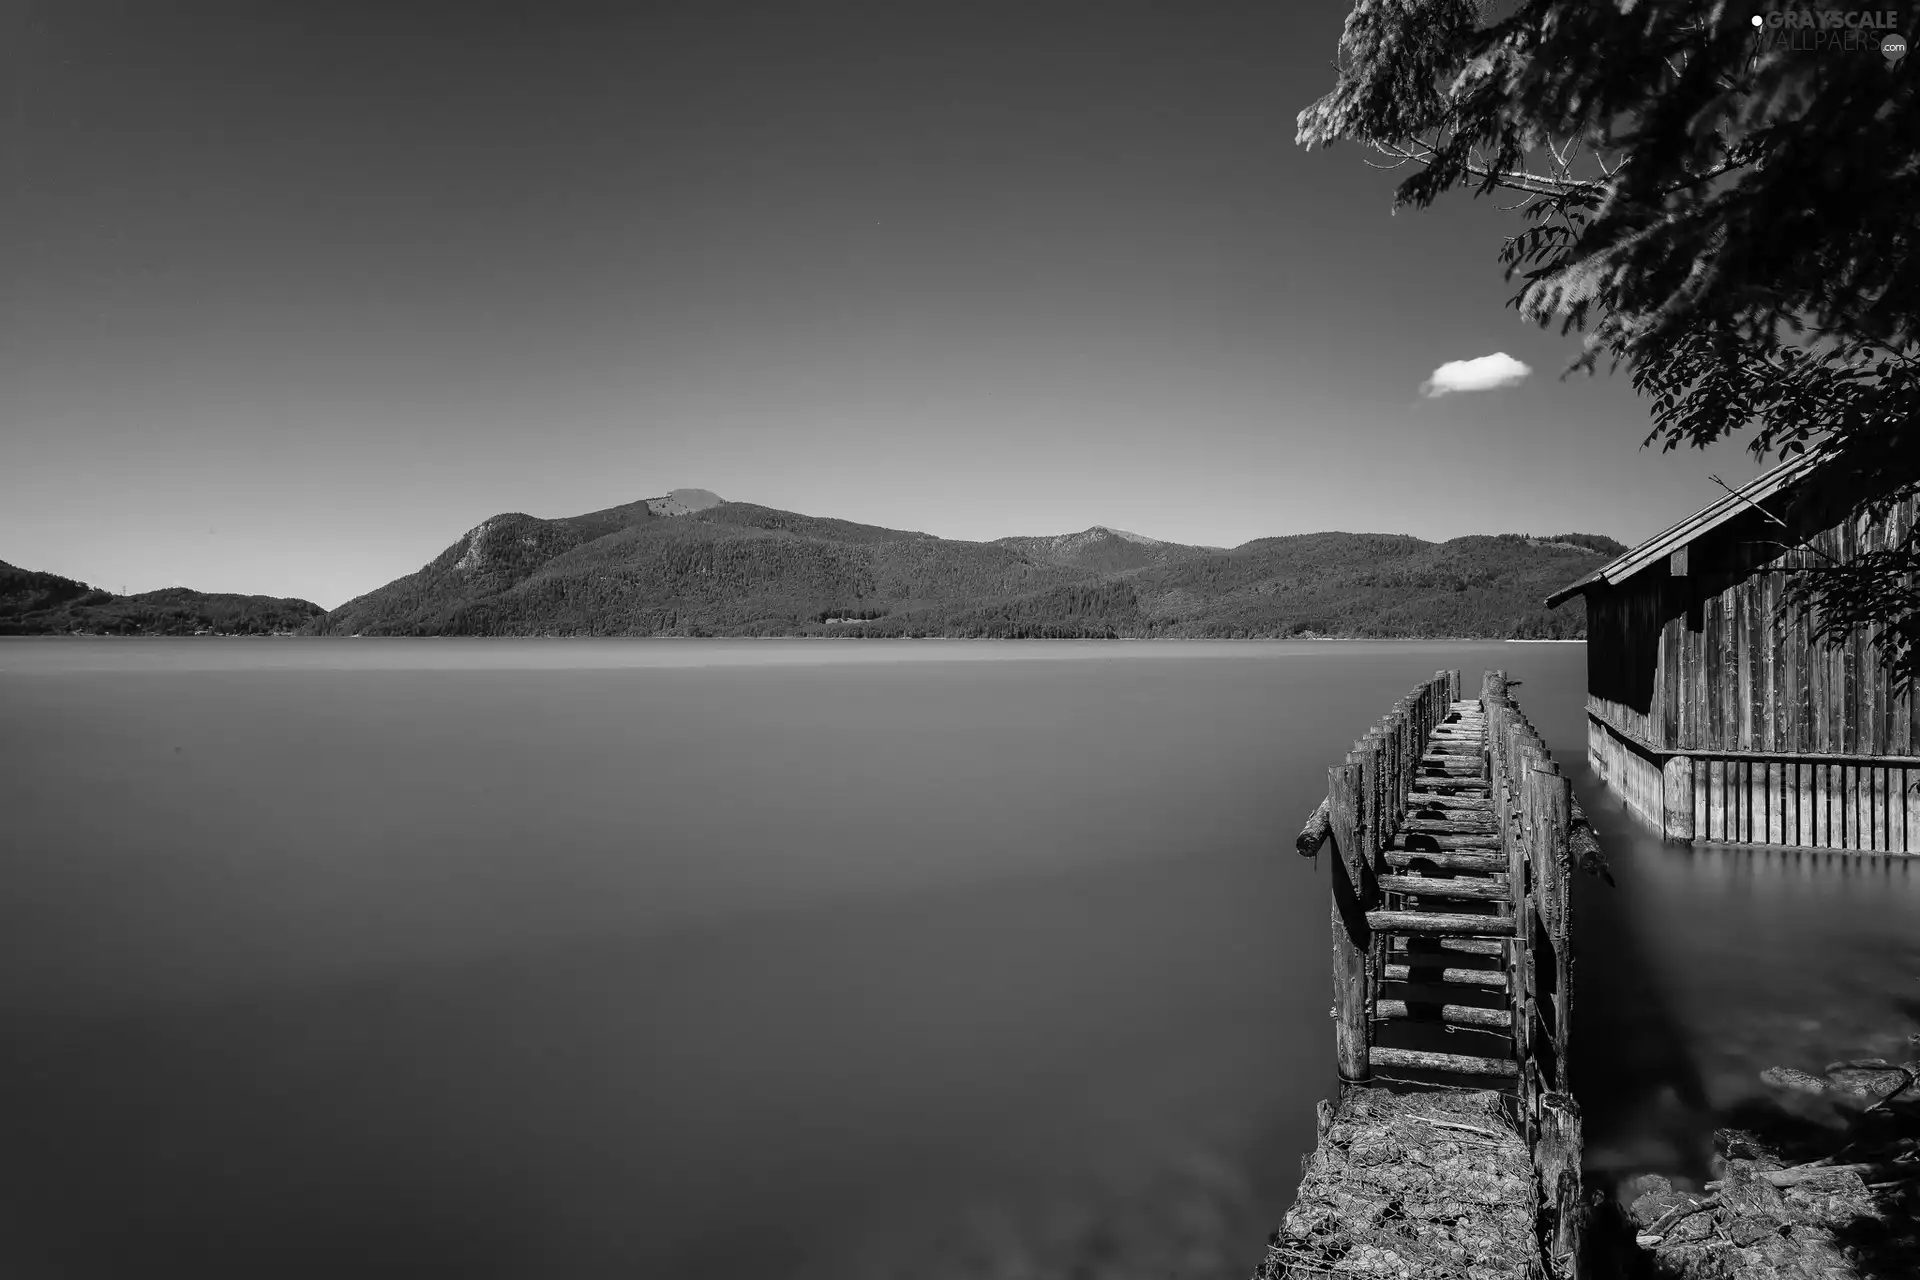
[(1706, 966), (1642, 1093)]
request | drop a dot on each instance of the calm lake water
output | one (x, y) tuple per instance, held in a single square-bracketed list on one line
[(774, 959)]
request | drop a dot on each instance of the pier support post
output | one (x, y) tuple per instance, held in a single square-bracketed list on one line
[(1556, 1162), (1352, 938), (1676, 787)]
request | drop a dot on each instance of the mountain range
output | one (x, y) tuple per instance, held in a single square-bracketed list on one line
[(692, 564)]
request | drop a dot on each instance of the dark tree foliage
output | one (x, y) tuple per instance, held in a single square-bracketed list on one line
[(1727, 210)]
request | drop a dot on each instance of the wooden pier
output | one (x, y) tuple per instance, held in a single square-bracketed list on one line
[(1453, 836)]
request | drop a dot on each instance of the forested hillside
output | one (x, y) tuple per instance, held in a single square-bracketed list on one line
[(35, 603), (733, 568)]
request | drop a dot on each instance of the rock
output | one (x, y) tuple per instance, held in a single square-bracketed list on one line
[(1738, 1144), (1654, 1205)]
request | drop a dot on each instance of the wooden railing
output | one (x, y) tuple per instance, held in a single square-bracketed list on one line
[(1859, 803), (1366, 800), (1535, 814)]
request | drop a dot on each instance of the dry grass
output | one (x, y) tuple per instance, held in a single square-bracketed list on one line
[(1390, 1193)]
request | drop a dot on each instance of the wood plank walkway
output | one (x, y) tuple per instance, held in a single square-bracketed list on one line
[(1443, 935), (1453, 834)]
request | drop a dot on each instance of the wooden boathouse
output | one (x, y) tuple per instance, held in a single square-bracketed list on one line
[(1713, 712), (1453, 835)]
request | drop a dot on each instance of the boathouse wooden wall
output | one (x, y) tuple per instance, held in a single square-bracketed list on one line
[(1716, 716)]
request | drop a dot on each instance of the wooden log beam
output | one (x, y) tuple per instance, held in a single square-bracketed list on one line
[(1450, 802), (1474, 824), (1457, 1063), (1444, 842), (1447, 861), (1458, 975), (1440, 923), (1317, 831), (1436, 887), (1876, 1172), (1463, 946), (1454, 1015)]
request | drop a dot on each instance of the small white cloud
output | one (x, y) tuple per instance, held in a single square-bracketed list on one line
[(1482, 374)]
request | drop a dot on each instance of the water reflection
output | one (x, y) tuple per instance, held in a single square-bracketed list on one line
[(1709, 965)]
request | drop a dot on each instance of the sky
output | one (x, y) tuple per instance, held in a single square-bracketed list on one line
[(293, 295)]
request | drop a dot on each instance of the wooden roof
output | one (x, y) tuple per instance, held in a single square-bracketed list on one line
[(1659, 547)]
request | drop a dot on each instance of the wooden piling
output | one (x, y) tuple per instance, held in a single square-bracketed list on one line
[(1352, 938), (1676, 785), (1556, 1162)]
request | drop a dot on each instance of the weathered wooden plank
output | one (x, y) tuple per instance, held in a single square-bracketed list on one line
[(1800, 810), (1769, 657), (1805, 682), (1443, 842), (1452, 975), (1740, 685), (1716, 638), (1878, 793), (1839, 819), (1463, 946), (1449, 822), (1850, 656), (1820, 660), (1450, 861), (1900, 725), (1455, 1063), (1456, 1015), (1716, 790), (1448, 802), (1683, 707), (1440, 923), (1776, 803), (1665, 685), (1439, 784), (1839, 805), (1910, 810), (1702, 788), (1743, 629), (1779, 672), (1441, 887)]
